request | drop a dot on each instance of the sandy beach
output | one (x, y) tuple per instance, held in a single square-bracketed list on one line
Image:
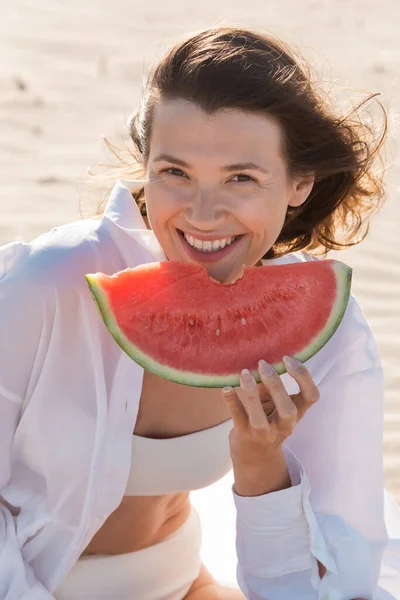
[(71, 72)]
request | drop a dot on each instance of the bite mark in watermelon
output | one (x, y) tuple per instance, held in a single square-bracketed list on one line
[(174, 320)]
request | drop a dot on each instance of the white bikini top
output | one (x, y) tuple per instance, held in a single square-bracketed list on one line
[(185, 463)]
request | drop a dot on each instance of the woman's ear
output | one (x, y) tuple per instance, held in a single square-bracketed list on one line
[(301, 189)]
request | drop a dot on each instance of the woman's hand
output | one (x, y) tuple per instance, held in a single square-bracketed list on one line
[(264, 415)]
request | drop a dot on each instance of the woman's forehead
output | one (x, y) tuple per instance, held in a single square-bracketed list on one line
[(180, 126)]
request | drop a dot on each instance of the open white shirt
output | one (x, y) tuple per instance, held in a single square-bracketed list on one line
[(69, 399)]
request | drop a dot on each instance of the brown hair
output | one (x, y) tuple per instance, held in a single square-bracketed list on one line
[(230, 67)]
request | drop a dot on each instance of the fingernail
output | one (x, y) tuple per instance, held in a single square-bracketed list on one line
[(247, 378), (292, 363), (227, 391), (266, 368)]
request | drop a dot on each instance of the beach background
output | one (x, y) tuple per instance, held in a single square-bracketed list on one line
[(71, 72)]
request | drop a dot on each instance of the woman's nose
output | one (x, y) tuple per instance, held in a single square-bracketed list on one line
[(205, 212)]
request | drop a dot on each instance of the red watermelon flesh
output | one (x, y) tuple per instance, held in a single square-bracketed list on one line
[(174, 320)]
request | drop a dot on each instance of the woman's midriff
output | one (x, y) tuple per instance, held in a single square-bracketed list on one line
[(166, 410), (140, 522)]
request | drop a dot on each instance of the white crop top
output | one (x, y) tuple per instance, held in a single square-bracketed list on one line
[(185, 463)]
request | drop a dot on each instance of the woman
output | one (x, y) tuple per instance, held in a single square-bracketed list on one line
[(232, 143)]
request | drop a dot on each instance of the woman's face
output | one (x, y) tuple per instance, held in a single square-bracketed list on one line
[(217, 188)]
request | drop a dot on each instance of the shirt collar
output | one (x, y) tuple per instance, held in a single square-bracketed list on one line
[(121, 207), (124, 215)]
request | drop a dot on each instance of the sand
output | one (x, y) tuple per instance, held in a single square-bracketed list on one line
[(71, 72)]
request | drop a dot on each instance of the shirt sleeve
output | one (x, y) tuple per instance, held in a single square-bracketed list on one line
[(21, 326), (333, 513)]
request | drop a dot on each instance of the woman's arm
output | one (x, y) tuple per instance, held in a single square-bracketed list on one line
[(333, 513), (21, 323)]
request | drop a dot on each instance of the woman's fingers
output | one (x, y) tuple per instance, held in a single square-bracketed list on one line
[(285, 407), (235, 407), (251, 400), (309, 392), (248, 409)]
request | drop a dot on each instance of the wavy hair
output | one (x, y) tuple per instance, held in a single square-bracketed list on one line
[(231, 67)]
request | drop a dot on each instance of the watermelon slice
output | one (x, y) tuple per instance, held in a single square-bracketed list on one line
[(174, 320)]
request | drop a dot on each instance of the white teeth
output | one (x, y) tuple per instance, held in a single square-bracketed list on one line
[(208, 246), (216, 244)]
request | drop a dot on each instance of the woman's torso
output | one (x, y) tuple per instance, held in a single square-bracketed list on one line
[(166, 410)]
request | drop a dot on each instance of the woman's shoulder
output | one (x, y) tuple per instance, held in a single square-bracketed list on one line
[(57, 257)]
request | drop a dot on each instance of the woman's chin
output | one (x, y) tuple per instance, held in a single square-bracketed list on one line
[(224, 273)]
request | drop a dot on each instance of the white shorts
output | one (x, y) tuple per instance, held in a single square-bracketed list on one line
[(164, 571)]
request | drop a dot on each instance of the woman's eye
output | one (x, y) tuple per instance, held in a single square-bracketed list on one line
[(173, 171), (241, 176)]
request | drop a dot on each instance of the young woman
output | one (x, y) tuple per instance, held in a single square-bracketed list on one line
[(237, 161)]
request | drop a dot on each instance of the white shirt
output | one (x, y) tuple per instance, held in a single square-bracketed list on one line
[(69, 400)]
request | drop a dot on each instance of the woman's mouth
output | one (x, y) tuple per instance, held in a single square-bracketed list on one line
[(208, 250)]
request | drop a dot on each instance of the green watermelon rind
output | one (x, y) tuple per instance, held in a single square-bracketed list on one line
[(343, 275)]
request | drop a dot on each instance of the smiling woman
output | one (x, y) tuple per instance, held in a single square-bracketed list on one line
[(238, 160), (231, 183)]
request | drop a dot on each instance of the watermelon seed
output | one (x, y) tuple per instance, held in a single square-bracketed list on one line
[(218, 332), (244, 321), (191, 322)]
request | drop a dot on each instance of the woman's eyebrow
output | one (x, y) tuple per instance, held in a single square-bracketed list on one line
[(244, 166), (236, 167)]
